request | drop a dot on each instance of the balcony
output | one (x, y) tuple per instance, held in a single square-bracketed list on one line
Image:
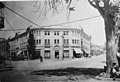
[(66, 45), (47, 45)]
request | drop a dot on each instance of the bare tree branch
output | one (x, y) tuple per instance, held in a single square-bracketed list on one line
[(106, 6), (92, 3), (100, 9)]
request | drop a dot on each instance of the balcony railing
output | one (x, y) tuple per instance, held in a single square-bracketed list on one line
[(47, 45), (66, 45)]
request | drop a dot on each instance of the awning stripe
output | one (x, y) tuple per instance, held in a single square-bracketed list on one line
[(19, 52), (78, 50)]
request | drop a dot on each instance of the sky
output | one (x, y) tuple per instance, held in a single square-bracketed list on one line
[(93, 27)]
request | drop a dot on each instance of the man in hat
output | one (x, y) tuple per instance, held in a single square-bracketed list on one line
[(114, 70)]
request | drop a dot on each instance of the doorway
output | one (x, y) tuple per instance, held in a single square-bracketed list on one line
[(57, 54)]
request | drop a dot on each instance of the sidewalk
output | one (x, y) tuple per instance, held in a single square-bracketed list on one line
[(9, 74)]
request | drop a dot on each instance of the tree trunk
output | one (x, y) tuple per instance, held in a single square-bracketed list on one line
[(110, 45)]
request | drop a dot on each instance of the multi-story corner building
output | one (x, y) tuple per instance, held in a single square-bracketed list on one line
[(51, 43)]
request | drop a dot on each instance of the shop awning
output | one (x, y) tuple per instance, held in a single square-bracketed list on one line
[(85, 51), (78, 50), (19, 52)]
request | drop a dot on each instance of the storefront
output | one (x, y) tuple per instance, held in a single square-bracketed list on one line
[(65, 53), (47, 54), (77, 53)]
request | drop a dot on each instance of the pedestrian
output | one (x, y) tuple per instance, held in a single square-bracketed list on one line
[(41, 59), (114, 70), (73, 53)]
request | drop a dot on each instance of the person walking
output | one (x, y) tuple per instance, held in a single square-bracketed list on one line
[(41, 59)]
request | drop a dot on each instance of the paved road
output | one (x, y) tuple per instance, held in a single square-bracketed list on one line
[(23, 69), (28, 66), (94, 62)]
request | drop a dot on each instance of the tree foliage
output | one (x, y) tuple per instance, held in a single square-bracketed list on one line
[(31, 45), (54, 6)]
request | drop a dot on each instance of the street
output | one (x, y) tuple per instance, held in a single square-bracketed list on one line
[(26, 67), (70, 70), (32, 65)]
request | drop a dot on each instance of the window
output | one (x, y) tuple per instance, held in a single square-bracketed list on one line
[(73, 41), (56, 32), (65, 32), (47, 32), (77, 41), (47, 41), (39, 41), (56, 41), (47, 54), (78, 32), (66, 53), (66, 41), (36, 32), (36, 41), (72, 32)]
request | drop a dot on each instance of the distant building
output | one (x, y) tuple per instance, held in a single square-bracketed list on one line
[(52, 42), (4, 47), (18, 44), (96, 50), (85, 42)]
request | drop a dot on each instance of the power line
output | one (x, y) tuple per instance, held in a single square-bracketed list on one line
[(9, 24), (46, 25), (22, 16), (61, 23), (53, 24), (73, 21)]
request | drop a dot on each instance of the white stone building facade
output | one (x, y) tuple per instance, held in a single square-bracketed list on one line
[(51, 43)]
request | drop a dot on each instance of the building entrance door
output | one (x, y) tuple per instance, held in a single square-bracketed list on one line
[(57, 54), (38, 54)]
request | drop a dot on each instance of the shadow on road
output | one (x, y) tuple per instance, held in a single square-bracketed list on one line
[(69, 71), (6, 67)]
